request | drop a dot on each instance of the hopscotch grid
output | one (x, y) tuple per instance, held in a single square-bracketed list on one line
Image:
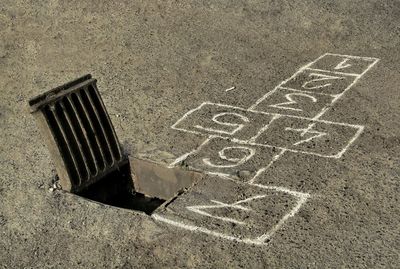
[(302, 197)]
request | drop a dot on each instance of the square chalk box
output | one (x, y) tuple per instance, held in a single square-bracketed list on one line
[(234, 211), (223, 157)]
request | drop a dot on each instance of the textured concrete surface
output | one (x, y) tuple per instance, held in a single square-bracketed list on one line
[(154, 62)]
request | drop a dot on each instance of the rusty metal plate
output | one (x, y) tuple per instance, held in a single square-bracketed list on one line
[(155, 180)]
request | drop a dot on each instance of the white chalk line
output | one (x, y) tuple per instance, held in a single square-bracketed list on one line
[(334, 156), (327, 107), (262, 112), (184, 156), (267, 236), (236, 161), (308, 92), (283, 82), (343, 64), (198, 208), (257, 174), (215, 119), (263, 129), (359, 132), (333, 72), (194, 228), (262, 170), (376, 60), (373, 60), (267, 187), (352, 56), (231, 88), (290, 101), (187, 114), (307, 66)]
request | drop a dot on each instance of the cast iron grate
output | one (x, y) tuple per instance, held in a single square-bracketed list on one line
[(78, 133)]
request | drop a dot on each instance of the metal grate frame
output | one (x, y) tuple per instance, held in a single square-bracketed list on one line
[(78, 133)]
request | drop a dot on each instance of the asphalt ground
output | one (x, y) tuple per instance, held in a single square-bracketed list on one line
[(289, 109)]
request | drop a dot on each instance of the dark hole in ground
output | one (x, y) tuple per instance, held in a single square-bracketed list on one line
[(116, 189)]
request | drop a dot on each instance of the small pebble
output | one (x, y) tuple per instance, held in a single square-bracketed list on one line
[(244, 174)]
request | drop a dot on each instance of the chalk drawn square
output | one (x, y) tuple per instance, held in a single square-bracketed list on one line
[(294, 102), (344, 63), (320, 82), (222, 120), (233, 211), (317, 137), (235, 160)]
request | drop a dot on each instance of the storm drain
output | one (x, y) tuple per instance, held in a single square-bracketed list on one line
[(78, 132), (88, 157)]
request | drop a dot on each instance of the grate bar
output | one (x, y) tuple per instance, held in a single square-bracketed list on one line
[(65, 152), (93, 163), (66, 138), (101, 161), (110, 132), (104, 134), (76, 134), (96, 127)]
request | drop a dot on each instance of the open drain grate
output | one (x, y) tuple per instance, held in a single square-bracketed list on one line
[(88, 157), (78, 133)]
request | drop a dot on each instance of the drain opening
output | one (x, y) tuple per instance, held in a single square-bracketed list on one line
[(146, 188), (88, 157), (116, 189)]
